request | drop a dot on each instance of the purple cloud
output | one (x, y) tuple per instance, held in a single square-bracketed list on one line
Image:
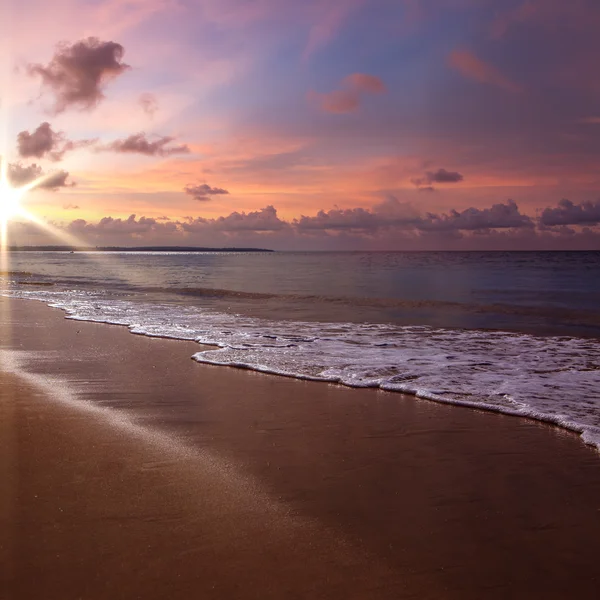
[(44, 142), (79, 72), (138, 143), (265, 219), (426, 182), (499, 216), (203, 192), (19, 175), (568, 213)]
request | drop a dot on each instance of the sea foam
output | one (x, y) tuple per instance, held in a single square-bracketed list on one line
[(552, 379)]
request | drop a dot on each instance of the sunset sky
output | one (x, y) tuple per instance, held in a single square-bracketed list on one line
[(320, 124)]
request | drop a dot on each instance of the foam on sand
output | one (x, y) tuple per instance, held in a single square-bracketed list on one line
[(551, 379)]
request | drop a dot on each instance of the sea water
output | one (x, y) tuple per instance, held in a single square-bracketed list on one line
[(513, 332)]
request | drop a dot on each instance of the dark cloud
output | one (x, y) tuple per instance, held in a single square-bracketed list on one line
[(568, 213), (440, 176), (78, 73), (388, 225), (56, 180), (138, 143), (20, 175), (265, 219), (131, 226), (70, 207), (443, 176), (203, 192), (404, 216), (39, 143), (149, 103), (389, 213), (349, 218), (44, 142), (499, 216)]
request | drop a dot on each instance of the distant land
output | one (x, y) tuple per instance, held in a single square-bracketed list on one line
[(130, 249)]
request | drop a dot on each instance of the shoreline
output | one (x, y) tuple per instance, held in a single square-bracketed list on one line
[(587, 435), (270, 487)]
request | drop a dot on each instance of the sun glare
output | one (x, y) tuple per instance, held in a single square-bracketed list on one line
[(10, 207), (9, 201)]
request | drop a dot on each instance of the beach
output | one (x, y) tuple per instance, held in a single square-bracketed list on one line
[(131, 471)]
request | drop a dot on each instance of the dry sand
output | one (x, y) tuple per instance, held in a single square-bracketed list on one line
[(129, 471)]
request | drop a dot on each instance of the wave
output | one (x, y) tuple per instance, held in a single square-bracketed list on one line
[(549, 313), (552, 379)]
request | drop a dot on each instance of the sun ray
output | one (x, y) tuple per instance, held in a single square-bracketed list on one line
[(63, 236), (11, 208)]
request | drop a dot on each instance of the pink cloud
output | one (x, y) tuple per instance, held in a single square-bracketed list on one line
[(472, 67), (337, 102), (349, 98), (78, 73), (390, 224), (365, 83)]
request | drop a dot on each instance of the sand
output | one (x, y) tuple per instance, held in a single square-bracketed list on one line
[(128, 470)]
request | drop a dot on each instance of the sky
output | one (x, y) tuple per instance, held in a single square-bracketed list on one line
[(313, 125)]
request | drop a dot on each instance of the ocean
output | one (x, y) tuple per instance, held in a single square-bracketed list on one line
[(512, 332)]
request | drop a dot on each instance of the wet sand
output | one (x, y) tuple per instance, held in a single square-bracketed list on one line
[(128, 470)]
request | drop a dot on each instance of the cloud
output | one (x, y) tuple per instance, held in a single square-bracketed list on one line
[(336, 218), (568, 213), (78, 73), (149, 103), (363, 82), (123, 227), (391, 224), (349, 98), (70, 207), (261, 221), (472, 67), (44, 142), (390, 213), (440, 176), (336, 102), (202, 192), (138, 143), (19, 175), (499, 216), (265, 219), (394, 214), (443, 176)]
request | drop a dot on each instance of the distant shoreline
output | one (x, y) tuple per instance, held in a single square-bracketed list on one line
[(230, 249), (130, 249)]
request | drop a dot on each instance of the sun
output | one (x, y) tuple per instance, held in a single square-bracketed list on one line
[(10, 204), (10, 207)]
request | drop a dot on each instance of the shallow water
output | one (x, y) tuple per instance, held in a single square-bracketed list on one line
[(512, 332)]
